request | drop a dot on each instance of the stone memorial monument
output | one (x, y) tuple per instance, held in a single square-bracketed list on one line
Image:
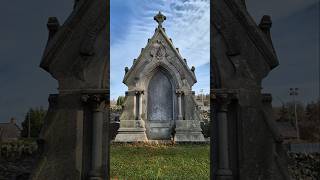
[(160, 103)]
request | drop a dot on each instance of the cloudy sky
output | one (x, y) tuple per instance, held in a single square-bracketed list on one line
[(23, 36), (132, 24)]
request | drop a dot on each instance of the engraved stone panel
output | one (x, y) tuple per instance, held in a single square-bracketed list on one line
[(160, 106), (160, 98)]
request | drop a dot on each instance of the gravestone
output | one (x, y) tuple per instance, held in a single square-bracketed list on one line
[(160, 103)]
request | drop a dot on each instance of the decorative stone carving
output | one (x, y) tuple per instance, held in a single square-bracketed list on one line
[(158, 50), (53, 26), (160, 18), (87, 45), (266, 23), (193, 69), (140, 124), (96, 101)]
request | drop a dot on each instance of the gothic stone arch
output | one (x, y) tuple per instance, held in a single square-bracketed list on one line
[(74, 141)]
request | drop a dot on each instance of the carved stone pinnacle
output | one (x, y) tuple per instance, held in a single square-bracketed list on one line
[(160, 18)]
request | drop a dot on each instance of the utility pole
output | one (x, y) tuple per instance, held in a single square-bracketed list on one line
[(202, 96), (29, 127), (294, 92)]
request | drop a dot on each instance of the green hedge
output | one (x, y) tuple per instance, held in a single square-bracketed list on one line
[(18, 149)]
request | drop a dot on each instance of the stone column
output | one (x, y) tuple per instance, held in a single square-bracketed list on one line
[(179, 95), (97, 104), (135, 106), (133, 129), (140, 105), (223, 171)]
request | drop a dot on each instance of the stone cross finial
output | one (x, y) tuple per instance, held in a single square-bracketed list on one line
[(160, 18)]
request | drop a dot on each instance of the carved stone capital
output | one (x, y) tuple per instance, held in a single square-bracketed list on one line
[(267, 98), (179, 92), (223, 97), (95, 101), (53, 100), (224, 101), (138, 92)]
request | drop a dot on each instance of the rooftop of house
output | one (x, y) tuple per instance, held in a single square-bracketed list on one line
[(9, 130)]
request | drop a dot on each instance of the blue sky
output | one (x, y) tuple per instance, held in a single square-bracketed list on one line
[(132, 24)]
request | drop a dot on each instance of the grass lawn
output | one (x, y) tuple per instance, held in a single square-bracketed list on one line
[(145, 161)]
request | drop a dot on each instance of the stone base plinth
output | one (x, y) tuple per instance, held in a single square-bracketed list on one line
[(188, 131), (95, 178), (131, 135), (224, 174), (189, 137)]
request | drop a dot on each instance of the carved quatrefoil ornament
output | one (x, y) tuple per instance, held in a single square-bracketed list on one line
[(158, 50)]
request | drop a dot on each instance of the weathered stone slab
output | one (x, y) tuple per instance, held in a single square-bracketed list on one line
[(188, 131)]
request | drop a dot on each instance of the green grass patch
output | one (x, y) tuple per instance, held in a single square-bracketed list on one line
[(144, 161)]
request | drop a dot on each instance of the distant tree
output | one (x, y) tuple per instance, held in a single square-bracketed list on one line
[(300, 111), (310, 128), (308, 119), (120, 101), (36, 116), (313, 112), (283, 113), (287, 112)]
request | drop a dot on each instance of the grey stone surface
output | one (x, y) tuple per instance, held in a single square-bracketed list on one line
[(75, 135), (245, 141), (188, 131), (160, 98), (160, 93)]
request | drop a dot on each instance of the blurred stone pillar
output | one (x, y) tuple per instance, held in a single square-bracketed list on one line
[(224, 171), (140, 93), (179, 95), (135, 106), (97, 104)]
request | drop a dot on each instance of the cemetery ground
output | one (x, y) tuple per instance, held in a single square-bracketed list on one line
[(160, 161)]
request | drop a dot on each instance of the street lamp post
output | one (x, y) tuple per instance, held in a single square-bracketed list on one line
[(294, 92)]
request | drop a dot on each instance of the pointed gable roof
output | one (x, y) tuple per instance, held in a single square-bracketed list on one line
[(161, 34), (262, 42)]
